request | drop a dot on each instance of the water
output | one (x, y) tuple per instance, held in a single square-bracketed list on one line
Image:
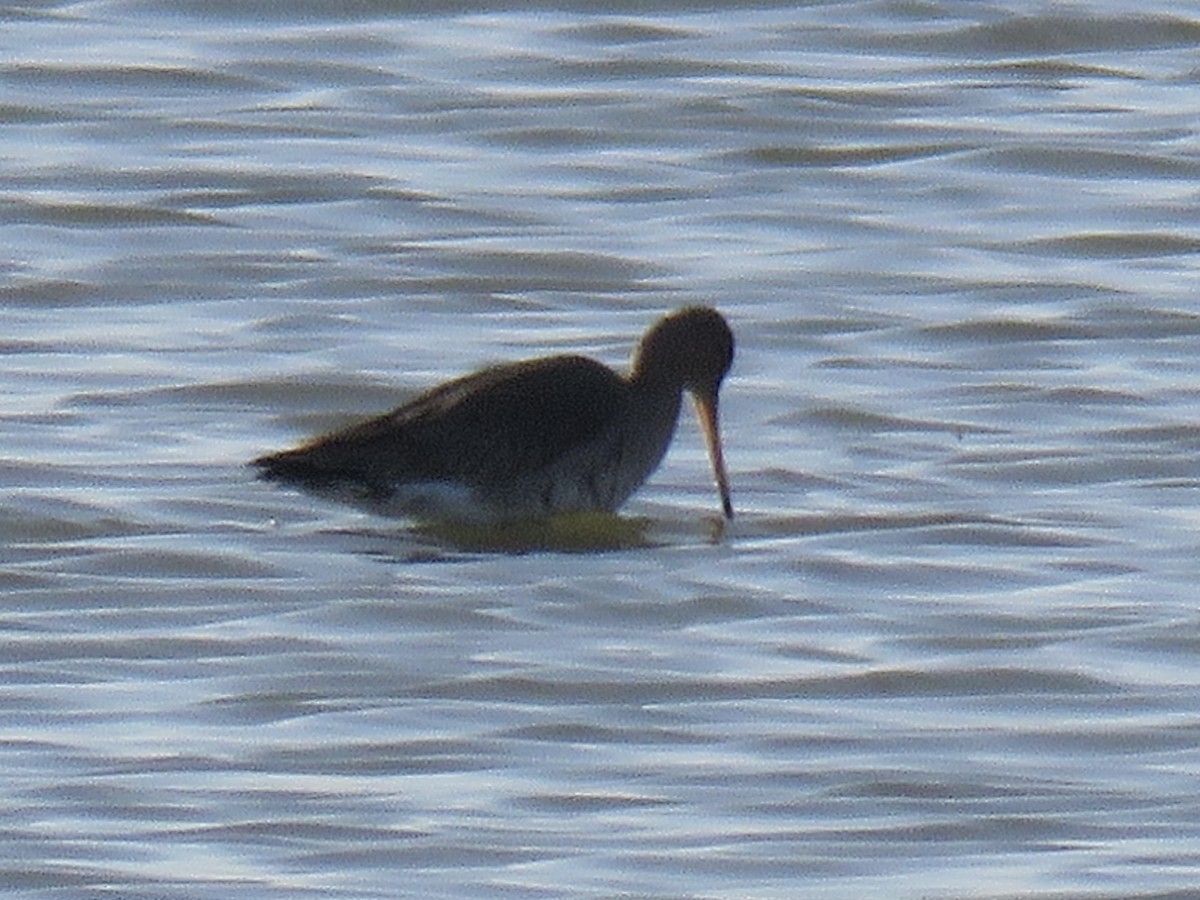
[(948, 647)]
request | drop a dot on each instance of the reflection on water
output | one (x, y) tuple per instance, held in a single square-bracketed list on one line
[(947, 647), (573, 533)]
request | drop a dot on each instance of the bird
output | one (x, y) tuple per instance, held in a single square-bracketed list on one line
[(527, 440)]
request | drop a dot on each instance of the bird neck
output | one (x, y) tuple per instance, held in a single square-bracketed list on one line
[(654, 405), (654, 379)]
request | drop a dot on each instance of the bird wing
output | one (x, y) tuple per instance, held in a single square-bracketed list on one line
[(485, 428)]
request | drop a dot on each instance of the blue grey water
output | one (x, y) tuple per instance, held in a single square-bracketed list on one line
[(949, 648)]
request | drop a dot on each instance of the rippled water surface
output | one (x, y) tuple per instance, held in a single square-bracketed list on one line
[(947, 649)]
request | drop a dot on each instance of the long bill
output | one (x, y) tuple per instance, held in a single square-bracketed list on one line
[(706, 412)]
